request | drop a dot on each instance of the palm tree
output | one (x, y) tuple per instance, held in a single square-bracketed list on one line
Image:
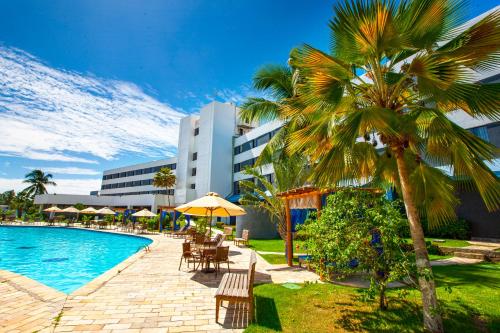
[(376, 110), (38, 180), (164, 178), (261, 193), (7, 197), (277, 83)]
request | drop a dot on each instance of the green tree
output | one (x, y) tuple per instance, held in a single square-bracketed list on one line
[(7, 197), (417, 68), (38, 180), (358, 231), (289, 172), (166, 179), (21, 203)]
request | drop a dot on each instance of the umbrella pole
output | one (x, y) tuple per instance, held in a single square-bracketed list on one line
[(210, 222)]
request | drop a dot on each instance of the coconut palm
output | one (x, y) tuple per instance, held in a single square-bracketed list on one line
[(166, 179), (261, 193), (38, 180), (276, 82), (376, 109)]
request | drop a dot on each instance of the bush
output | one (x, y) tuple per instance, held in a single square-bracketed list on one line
[(459, 229), (358, 231), (220, 225)]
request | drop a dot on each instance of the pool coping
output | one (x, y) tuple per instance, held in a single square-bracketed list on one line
[(88, 288)]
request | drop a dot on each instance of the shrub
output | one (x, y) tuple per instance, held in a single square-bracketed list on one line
[(358, 231), (459, 229), (220, 225)]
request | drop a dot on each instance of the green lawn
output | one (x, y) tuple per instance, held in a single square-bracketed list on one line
[(472, 305), (437, 256), (274, 245), (277, 259), (447, 242)]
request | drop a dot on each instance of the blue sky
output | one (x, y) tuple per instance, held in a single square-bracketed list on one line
[(91, 85)]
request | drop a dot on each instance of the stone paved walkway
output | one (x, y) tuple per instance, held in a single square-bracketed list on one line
[(146, 293)]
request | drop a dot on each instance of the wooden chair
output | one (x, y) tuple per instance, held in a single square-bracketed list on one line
[(237, 287), (228, 232), (180, 233), (188, 255), (243, 240), (221, 256)]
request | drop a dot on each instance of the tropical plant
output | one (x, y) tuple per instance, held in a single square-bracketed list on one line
[(261, 193), (7, 197), (38, 180), (358, 231), (21, 203), (374, 108), (166, 179)]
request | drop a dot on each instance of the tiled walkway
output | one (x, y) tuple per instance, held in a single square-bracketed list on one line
[(149, 294)]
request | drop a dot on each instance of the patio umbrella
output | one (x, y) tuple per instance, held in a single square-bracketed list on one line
[(211, 205), (71, 209), (89, 210), (105, 211), (144, 213), (53, 209)]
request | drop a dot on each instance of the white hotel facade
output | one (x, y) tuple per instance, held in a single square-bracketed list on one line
[(214, 148)]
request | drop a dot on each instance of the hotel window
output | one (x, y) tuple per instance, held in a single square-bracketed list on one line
[(138, 172), (481, 132), (246, 146), (148, 170), (193, 186), (193, 172), (195, 156), (123, 174), (236, 187), (130, 173), (236, 167), (236, 150), (262, 139), (196, 131)]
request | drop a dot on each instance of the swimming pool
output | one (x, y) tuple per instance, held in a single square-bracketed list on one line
[(63, 258)]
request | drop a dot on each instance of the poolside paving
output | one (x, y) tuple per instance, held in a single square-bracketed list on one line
[(146, 293)]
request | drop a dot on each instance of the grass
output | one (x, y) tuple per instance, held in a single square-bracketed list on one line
[(472, 305), (437, 256), (277, 259), (274, 245), (446, 243)]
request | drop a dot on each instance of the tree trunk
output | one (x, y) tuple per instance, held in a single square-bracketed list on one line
[(432, 316), (382, 299)]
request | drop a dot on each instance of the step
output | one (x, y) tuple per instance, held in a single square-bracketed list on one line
[(477, 250), (469, 255)]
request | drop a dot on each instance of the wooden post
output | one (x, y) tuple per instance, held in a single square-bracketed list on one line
[(289, 238), (318, 205)]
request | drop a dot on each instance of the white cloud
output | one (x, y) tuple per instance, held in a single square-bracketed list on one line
[(50, 114), (64, 186), (66, 170)]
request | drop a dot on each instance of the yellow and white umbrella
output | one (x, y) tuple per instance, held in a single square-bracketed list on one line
[(53, 209), (105, 211), (89, 210), (211, 205), (144, 213), (70, 209)]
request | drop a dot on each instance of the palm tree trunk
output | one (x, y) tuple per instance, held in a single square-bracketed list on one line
[(432, 316)]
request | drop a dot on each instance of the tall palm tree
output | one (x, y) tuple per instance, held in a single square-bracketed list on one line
[(38, 180), (276, 82), (376, 109), (261, 193), (166, 179)]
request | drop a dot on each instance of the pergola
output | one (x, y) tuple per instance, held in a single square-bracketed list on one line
[(307, 197)]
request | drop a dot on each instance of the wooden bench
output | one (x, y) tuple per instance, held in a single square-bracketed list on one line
[(237, 287)]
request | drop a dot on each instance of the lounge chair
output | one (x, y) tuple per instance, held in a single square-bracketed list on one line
[(243, 240), (180, 233)]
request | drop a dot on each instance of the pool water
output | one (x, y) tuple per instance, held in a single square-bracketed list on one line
[(63, 258)]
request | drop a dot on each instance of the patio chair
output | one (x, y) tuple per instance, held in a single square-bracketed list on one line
[(188, 255), (221, 256), (228, 232), (180, 233), (243, 240)]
